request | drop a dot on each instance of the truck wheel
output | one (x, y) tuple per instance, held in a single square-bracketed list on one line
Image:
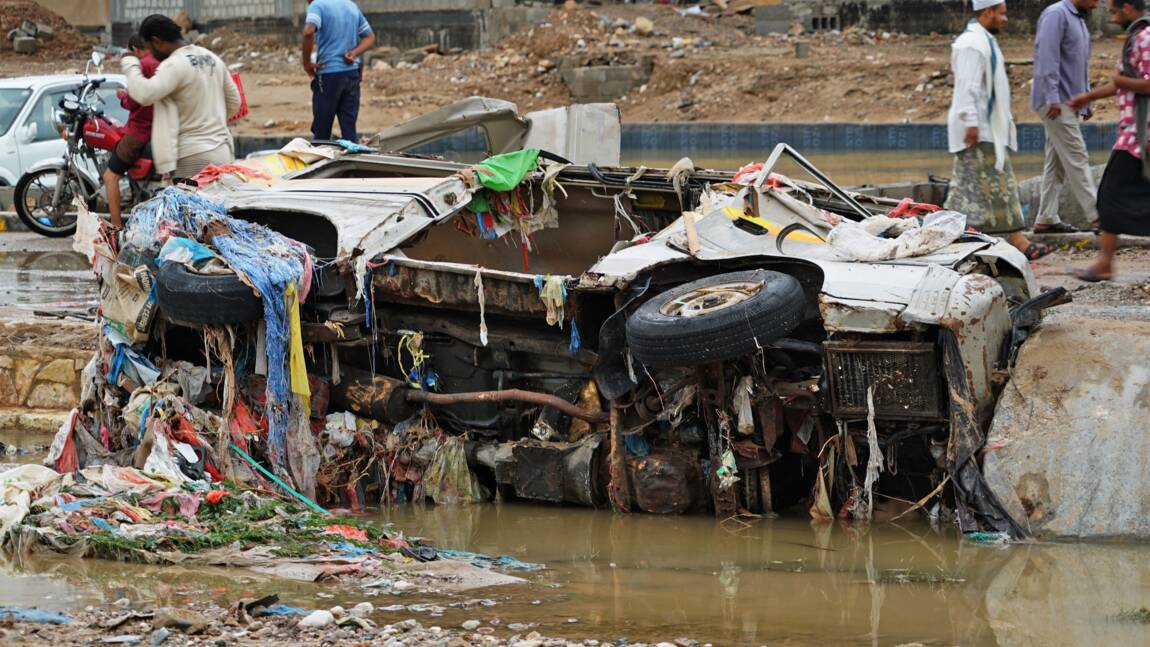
[(187, 297), (715, 319)]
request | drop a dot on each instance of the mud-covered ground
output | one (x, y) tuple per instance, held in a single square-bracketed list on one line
[(714, 69)]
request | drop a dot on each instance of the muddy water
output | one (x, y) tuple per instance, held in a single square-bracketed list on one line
[(650, 578), (787, 582)]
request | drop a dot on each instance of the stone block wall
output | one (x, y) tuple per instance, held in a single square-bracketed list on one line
[(40, 364), (40, 379)]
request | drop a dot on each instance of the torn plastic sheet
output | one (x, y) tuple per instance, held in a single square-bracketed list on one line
[(448, 479), (973, 498), (127, 363), (33, 616), (184, 251), (553, 294), (865, 241), (19, 486), (502, 562), (745, 421), (482, 306)]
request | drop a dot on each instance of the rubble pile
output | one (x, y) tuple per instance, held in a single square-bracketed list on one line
[(249, 52), (53, 38)]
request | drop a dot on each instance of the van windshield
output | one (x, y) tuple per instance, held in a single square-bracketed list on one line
[(11, 101)]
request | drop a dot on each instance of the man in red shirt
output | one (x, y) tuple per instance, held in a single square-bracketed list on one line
[(137, 132), (1124, 192)]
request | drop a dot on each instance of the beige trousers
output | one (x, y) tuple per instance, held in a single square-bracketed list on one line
[(191, 165), (1067, 164)]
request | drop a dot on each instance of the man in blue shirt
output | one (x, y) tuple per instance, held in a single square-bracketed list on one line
[(339, 33), (1061, 71)]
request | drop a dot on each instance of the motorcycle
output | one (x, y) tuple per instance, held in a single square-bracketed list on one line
[(44, 195)]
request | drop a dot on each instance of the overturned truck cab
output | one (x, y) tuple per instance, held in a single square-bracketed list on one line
[(672, 341)]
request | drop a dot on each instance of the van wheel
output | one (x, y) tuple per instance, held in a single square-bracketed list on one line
[(715, 319)]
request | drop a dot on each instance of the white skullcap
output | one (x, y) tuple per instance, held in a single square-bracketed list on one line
[(979, 5)]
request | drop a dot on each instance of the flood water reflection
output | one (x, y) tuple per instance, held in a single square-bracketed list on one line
[(788, 582), (650, 579)]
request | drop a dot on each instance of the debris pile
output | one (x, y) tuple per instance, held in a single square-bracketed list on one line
[(32, 31)]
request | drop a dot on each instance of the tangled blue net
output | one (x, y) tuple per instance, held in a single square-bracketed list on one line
[(270, 262)]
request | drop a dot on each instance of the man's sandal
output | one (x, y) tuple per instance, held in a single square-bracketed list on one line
[(1035, 251), (1057, 228), (1090, 276)]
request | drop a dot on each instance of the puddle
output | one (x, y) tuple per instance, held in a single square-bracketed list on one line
[(46, 279), (23, 447)]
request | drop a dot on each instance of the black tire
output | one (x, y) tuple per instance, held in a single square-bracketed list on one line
[(61, 225), (186, 297), (660, 338)]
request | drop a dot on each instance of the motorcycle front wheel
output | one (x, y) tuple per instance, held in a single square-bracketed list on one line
[(39, 206)]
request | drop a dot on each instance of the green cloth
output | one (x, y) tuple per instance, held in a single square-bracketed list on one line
[(478, 203), (505, 172)]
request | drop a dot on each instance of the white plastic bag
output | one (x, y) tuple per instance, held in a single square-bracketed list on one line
[(87, 231), (854, 241)]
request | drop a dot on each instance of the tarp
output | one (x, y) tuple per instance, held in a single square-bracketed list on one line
[(500, 121), (505, 172)]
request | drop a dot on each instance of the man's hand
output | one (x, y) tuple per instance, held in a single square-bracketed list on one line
[(311, 69), (971, 138), (1053, 111), (121, 94), (1079, 101), (350, 56), (1086, 116)]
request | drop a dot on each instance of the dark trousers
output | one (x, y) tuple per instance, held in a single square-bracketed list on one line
[(335, 95)]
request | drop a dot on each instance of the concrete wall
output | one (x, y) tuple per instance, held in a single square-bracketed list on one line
[(908, 16), (81, 13), (203, 10), (405, 24)]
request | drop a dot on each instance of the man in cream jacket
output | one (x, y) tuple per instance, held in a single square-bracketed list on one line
[(982, 134), (193, 94)]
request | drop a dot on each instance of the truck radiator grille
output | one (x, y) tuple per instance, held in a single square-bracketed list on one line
[(904, 375)]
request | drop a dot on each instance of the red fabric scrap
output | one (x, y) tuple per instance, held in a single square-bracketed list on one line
[(908, 208), (347, 532)]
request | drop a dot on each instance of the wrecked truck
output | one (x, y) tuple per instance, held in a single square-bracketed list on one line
[(664, 341)]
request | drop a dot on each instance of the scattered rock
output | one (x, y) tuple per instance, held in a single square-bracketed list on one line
[(185, 620), (24, 45), (470, 625), (317, 619), (158, 637), (362, 610), (644, 26)]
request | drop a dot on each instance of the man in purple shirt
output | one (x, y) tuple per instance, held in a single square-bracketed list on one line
[(1061, 71)]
